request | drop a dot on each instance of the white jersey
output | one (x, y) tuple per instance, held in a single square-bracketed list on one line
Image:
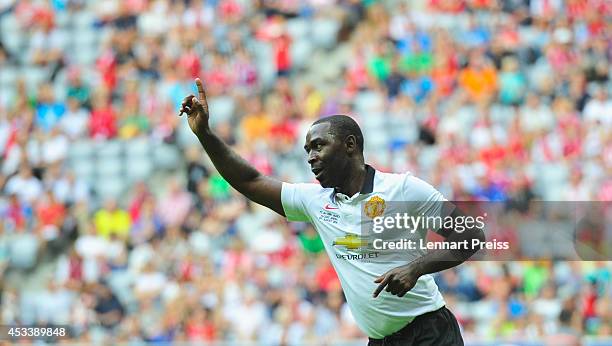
[(336, 216)]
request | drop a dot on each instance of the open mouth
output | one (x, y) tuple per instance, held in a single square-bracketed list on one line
[(317, 172)]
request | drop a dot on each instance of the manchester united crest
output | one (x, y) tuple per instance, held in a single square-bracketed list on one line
[(374, 207)]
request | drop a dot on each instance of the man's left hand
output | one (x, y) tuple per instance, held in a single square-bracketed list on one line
[(398, 280)]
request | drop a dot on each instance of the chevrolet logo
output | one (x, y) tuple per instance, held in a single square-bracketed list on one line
[(351, 242)]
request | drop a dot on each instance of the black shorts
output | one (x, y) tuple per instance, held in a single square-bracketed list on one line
[(436, 328)]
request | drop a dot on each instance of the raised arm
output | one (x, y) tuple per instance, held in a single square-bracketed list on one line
[(236, 170)]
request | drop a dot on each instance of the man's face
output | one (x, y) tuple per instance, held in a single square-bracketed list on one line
[(326, 155)]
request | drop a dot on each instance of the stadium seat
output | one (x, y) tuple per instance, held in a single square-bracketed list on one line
[(63, 38), (80, 149), (109, 149), (298, 28), (28, 305), (137, 147), (60, 88), (267, 73), (109, 166), (83, 167), (301, 51), (108, 187), (138, 168), (34, 76), (8, 77), (166, 156), (86, 39), (14, 41), (368, 101), (325, 32), (401, 129), (6, 94), (222, 107), (550, 177), (83, 20), (185, 137), (62, 19), (23, 251), (265, 63), (84, 56)]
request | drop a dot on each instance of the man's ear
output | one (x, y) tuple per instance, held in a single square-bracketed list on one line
[(351, 144)]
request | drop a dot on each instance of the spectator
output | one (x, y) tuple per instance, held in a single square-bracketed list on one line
[(479, 78), (75, 121), (48, 111), (599, 109), (112, 220), (488, 100), (47, 43), (103, 120), (174, 206), (199, 327), (25, 185), (69, 189), (535, 116), (512, 83), (49, 211), (78, 90), (109, 309), (54, 305)]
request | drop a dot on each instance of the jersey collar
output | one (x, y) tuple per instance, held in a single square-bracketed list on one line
[(368, 183)]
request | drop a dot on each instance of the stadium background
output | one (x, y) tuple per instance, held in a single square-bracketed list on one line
[(113, 221)]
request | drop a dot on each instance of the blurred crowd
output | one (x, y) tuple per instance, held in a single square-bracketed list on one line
[(502, 100)]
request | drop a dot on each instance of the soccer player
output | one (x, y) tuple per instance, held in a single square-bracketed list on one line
[(411, 311)]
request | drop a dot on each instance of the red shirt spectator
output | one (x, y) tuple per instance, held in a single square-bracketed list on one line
[(107, 68), (326, 278), (199, 328), (356, 74), (190, 61), (450, 6), (493, 154), (576, 9), (261, 162), (285, 130), (572, 143), (103, 121), (229, 9), (282, 53), (15, 212), (50, 211), (561, 58)]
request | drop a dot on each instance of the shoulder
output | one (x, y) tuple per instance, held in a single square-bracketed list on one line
[(405, 179), (411, 186), (305, 187), (306, 191)]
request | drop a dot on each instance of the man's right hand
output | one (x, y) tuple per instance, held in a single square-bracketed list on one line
[(196, 110)]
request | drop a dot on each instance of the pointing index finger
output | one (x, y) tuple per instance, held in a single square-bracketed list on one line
[(381, 286), (202, 94)]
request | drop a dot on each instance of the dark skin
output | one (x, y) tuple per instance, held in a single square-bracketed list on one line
[(336, 162)]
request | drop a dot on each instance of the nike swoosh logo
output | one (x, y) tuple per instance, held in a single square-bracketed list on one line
[(328, 207)]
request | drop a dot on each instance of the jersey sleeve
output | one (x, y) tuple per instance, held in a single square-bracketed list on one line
[(293, 199), (432, 203)]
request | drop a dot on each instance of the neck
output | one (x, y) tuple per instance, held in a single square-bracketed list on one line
[(354, 180)]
